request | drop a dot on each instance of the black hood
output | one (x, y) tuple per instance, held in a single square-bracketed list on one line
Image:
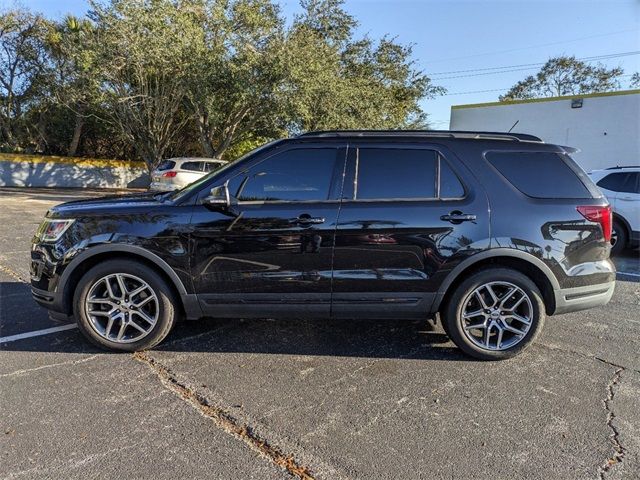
[(109, 204)]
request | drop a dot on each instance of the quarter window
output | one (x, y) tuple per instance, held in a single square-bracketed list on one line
[(293, 175), (539, 174)]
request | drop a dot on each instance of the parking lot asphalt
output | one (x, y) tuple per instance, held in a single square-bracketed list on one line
[(310, 398)]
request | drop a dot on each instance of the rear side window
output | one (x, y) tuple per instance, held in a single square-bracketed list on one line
[(192, 166), (539, 174), (166, 165), (621, 182), (385, 173), (450, 186)]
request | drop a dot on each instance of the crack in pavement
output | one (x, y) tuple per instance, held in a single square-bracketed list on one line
[(614, 437), (223, 420), (618, 450)]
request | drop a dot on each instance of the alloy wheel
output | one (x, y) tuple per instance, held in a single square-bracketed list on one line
[(122, 308), (497, 316)]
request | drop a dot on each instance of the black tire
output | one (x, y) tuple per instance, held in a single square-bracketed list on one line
[(452, 312), (622, 238), (166, 304)]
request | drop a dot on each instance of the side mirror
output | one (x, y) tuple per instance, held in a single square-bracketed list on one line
[(218, 198)]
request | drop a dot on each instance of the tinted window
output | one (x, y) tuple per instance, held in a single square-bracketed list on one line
[(294, 175), (396, 173), (539, 174), (192, 166), (450, 186), (211, 166), (166, 165), (620, 182)]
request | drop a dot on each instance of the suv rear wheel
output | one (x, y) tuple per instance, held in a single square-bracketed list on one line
[(124, 305), (494, 314)]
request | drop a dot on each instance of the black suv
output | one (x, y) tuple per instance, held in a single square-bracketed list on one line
[(492, 231)]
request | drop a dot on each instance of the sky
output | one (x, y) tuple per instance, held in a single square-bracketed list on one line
[(451, 37)]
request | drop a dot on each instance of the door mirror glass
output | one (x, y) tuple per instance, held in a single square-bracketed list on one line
[(218, 198)]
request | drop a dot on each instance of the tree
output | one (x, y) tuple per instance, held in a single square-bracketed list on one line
[(144, 49), (565, 76), (74, 71), (21, 63), (236, 91), (635, 80), (338, 81)]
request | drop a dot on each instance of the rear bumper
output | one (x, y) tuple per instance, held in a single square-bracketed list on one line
[(163, 187), (581, 298)]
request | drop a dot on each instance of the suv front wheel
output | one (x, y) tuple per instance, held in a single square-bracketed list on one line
[(124, 305), (494, 314)]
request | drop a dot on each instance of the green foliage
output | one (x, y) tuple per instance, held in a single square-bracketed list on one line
[(565, 76), (153, 78)]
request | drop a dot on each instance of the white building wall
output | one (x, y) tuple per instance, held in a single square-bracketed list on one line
[(606, 129)]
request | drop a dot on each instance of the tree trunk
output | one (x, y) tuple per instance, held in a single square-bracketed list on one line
[(205, 136), (77, 132)]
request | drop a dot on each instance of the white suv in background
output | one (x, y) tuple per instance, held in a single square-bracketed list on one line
[(175, 173), (621, 186)]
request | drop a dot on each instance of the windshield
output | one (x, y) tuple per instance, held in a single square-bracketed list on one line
[(195, 186)]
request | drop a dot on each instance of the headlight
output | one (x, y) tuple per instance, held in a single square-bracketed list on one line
[(52, 230)]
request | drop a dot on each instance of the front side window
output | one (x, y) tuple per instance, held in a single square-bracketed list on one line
[(211, 166), (303, 174)]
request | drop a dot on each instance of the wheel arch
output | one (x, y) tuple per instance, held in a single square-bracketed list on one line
[(619, 218), (518, 260), (95, 255)]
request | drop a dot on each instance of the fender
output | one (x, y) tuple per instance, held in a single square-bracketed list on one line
[(124, 248), (492, 253)]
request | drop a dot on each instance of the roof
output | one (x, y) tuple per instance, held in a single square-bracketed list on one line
[(547, 99), (477, 135)]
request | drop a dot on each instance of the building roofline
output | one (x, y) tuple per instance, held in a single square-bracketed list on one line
[(546, 99)]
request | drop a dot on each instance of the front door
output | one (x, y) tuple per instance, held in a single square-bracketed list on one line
[(410, 213), (273, 254)]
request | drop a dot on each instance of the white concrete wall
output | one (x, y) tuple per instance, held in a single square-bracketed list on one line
[(36, 172), (606, 129)]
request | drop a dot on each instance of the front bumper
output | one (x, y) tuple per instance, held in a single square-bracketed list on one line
[(584, 297)]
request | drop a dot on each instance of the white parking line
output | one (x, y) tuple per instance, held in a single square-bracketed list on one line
[(37, 333)]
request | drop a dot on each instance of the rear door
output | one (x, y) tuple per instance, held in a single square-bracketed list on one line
[(410, 213), (189, 172)]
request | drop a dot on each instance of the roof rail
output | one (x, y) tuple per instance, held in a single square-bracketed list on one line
[(623, 166), (517, 137)]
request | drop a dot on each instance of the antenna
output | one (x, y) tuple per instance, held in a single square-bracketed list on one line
[(513, 126)]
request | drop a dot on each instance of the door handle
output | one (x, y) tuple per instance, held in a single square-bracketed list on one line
[(306, 219), (457, 217)]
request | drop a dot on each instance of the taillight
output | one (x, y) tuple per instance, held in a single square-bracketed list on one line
[(601, 215), (169, 174)]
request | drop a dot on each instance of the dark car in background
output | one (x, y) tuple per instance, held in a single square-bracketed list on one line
[(491, 231)]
